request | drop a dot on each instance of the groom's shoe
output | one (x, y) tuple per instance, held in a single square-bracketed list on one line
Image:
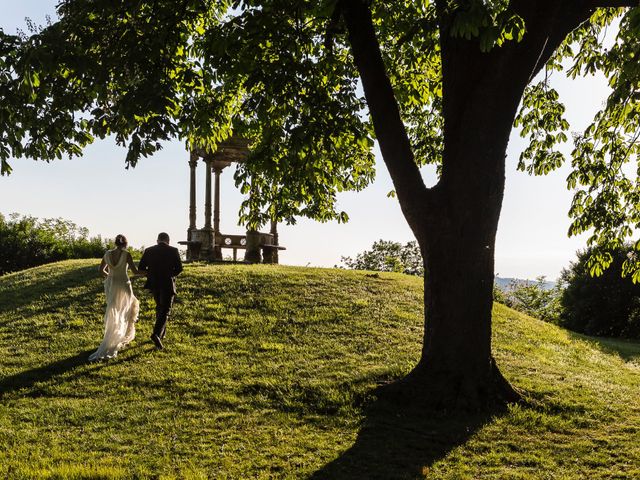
[(156, 339)]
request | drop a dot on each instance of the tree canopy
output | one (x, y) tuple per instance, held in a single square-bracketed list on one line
[(281, 73)]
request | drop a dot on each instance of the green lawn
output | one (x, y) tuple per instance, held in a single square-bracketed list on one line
[(270, 372)]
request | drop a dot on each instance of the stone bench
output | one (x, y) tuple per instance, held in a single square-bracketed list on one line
[(232, 241), (235, 242), (193, 247)]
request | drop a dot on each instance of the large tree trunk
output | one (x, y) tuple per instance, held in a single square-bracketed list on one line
[(456, 368), (481, 94), (457, 238), (456, 221)]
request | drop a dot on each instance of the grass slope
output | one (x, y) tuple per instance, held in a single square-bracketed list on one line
[(270, 372)]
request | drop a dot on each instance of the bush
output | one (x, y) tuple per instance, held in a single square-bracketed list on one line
[(386, 256), (608, 305), (533, 298), (26, 242)]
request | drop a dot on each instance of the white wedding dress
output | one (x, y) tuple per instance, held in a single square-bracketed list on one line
[(122, 309)]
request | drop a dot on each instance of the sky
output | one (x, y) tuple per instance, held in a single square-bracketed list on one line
[(97, 192)]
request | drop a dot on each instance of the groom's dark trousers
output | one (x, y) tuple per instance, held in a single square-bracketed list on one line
[(162, 264), (164, 302)]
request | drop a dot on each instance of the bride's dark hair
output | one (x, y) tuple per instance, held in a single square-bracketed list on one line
[(121, 241)]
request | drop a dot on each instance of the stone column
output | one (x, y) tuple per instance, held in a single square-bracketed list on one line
[(207, 232), (193, 163), (252, 253), (216, 201), (207, 197), (217, 251), (274, 232)]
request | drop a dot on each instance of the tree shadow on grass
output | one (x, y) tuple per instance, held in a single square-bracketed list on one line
[(628, 350), (28, 379), (401, 442)]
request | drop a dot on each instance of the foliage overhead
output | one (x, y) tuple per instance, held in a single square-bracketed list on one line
[(281, 74)]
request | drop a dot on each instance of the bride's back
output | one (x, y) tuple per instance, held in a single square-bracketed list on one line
[(116, 259)]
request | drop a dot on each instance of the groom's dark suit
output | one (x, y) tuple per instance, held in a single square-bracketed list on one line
[(162, 264)]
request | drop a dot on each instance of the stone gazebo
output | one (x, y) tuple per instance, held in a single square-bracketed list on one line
[(207, 243)]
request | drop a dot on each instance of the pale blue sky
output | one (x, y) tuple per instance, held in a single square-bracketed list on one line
[(97, 192)]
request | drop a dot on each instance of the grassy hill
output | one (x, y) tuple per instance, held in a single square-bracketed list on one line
[(270, 372)]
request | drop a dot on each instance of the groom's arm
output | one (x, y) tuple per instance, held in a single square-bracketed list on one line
[(142, 264), (177, 264)]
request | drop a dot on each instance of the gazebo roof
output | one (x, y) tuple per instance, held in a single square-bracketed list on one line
[(234, 149)]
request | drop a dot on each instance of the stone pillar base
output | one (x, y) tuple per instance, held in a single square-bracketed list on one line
[(252, 253)]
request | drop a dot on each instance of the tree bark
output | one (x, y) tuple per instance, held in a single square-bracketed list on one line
[(456, 221), (456, 368), (458, 244)]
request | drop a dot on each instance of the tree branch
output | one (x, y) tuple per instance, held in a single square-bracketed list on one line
[(548, 26), (392, 136), (613, 3)]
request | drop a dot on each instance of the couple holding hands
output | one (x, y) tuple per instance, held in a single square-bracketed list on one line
[(160, 264)]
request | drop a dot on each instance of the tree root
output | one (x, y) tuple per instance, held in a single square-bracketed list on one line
[(425, 387)]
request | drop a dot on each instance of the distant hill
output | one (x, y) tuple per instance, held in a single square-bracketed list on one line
[(505, 283), (270, 372)]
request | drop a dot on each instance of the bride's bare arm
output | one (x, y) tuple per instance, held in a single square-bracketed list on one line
[(132, 265), (103, 268)]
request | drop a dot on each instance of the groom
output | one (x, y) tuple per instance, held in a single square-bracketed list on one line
[(162, 264)]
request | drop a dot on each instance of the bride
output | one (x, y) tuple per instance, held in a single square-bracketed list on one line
[(122, 306)]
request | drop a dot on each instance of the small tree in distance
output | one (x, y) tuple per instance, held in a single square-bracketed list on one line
[(534, 298), (389, 256)]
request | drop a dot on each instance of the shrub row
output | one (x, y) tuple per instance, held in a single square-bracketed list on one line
[(26, 241)]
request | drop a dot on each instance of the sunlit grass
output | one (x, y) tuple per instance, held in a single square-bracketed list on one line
[(269, 372)]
